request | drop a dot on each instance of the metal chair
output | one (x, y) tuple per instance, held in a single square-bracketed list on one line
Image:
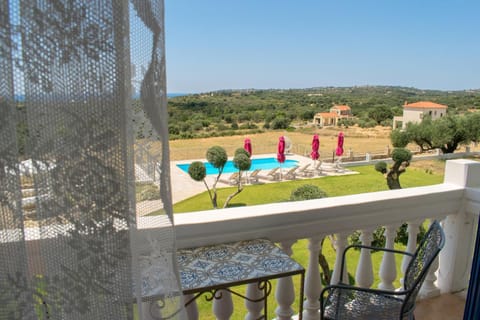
[(342, 301)]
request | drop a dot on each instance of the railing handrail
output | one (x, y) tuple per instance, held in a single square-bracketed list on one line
[(299, 220)]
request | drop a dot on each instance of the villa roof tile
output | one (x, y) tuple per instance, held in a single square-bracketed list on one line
[(327, 115), (341, 107), (425, 105)]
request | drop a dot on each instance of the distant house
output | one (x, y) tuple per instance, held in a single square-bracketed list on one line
[(414, 112), (325, 119)]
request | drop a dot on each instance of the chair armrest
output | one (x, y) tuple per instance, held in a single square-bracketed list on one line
[(369, 290), (361, 246)]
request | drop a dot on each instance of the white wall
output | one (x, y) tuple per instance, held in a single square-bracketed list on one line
[(415, 115)]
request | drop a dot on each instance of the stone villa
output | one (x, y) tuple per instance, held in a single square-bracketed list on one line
[(337, 112), (414, 112)]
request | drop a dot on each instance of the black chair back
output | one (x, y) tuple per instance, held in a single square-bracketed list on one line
[(417, 269)]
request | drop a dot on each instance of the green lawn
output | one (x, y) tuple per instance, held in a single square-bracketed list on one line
[(368, 180)]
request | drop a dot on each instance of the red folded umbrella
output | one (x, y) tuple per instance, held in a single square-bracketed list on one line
[(281, 150), (247, 145), (339, 151), (315, 145)]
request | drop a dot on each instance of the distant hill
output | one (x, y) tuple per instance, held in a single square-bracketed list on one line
[(227, 111)]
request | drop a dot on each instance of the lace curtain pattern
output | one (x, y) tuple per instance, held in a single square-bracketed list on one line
[(80, 134)]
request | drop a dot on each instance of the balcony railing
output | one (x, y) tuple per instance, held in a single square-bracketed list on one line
[(456, 203)]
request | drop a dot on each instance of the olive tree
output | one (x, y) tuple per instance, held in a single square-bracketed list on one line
[(217, 157), (242, 162), (401, 160), (446, 133)]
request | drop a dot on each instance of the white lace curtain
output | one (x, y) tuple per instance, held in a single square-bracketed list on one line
[(83, 127)]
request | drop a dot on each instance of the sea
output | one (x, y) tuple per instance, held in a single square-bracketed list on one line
[(21, 97)]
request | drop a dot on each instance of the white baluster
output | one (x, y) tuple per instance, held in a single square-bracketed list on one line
[(412, 231), (254, 308), (192, 308), (285, 293), (364, 273), (313, 283), (429, 289), (223, 307), (388, 268), (340, 244)]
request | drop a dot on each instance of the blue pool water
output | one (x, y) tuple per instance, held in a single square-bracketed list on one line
[(260, 163)]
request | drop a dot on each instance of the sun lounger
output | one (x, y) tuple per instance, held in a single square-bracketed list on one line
[(291, 174), (304, 171), (254, 176), (232, 179), (317, 169), (328, 167), (271, 175)]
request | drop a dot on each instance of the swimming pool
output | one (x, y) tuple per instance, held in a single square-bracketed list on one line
[(257, 163)]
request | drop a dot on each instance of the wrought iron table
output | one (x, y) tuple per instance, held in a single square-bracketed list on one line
[(206, 270)]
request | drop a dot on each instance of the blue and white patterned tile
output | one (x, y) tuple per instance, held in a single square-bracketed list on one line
[(230, 272), (193, 278)]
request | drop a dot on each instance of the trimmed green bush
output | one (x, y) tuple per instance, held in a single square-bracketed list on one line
[(150, 192), (197, 171), (307, 192)]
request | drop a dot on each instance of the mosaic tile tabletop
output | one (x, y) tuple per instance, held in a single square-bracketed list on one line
[(236, 263)]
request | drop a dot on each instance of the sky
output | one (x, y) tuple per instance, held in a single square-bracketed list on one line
[(280, 44)]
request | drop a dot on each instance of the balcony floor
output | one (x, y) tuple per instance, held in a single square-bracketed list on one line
[(444, 307)]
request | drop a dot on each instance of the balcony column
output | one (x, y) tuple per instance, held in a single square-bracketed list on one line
[(388, 268), (412, 230), (364, 273), (223, 307), (285, 292), (313, 283), (460, 228), (340, 243), (254, 308), (429, 289)]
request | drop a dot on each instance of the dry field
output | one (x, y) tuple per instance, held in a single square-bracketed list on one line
[(372, 140)]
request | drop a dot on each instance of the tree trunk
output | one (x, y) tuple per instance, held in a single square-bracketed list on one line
[(213, 195), (325, 268), (230, 197), (392, 181), (239, 189), (393, 175)]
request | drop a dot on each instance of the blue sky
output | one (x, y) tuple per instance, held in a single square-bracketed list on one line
[(227, 44)]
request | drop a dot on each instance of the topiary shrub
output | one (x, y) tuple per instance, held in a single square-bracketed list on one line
[(217, 156), (197, 171), (401, 160), (307, 192), (401, 155), (242, 151), (381, 166), (242, 162)]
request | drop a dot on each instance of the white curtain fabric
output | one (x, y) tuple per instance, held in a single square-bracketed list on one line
[(72, 117)]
